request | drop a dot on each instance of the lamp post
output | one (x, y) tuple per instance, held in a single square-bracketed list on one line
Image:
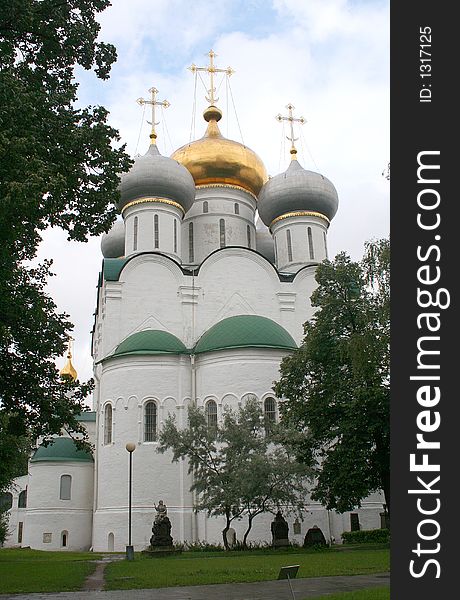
[(130, 447)]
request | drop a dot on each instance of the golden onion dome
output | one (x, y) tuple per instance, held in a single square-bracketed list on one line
[(214, 159), (68, 370)]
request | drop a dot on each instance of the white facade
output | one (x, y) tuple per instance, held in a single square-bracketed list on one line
[(183, 272)]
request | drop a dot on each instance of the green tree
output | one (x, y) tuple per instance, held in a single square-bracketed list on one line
[(336, 385), (58, 167), (237, 467)]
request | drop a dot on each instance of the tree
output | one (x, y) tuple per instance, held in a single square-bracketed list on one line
[(237, 469), (58, 167), (336, 385)]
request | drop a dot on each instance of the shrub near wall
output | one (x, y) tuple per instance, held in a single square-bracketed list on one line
[(370, 536)]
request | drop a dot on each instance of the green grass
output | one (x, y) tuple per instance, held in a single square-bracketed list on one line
[(27, 571), (204, 568), (382, 593)]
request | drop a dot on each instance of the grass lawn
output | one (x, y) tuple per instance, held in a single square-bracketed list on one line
[(382, 593), (200, 568), (24, 570)]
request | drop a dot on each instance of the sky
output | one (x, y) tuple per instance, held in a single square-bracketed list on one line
[(329, 58)]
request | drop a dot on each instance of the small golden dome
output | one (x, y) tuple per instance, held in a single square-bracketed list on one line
[(214, 159), (68, 369)]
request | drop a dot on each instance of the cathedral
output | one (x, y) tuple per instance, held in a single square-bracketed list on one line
[(204, 288)]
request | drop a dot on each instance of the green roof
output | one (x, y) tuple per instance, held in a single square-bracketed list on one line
[(151, 341), (87, 416), (112, 267), (245, 331), (61, 450)]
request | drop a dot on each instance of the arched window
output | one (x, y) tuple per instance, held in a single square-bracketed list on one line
[(156, 232), (269, 412), (211, 414), (150, 421), (22, 500), (136, 225), (289, 245), (108, 424), (248, 232), (222, 232), (175, 236), (325, 244), (64, 539), (6, 501), (65, 487), (237, 208), (205, 206), (110, 542), (191, 254), (310, 243)]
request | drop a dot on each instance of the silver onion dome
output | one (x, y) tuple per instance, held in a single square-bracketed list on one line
[(113, 242), (297, 190), (264, 241), (155, 176)]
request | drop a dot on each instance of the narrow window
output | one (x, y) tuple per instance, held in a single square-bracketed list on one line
[(325, 244), (354, 522), (237, 208), (175, 236), (136, 223), (205, 206), (150, 422), (65, 488), (310, 243), (211, 414), (108, 424), (289, 245), (276, 251), (110, 542), (22, 500), (222, 233), (269, 413), (156, 231), (20, 531), (248, 231), (64, 539), (191, 254)]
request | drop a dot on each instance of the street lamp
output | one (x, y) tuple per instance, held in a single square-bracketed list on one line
[(130, 447)]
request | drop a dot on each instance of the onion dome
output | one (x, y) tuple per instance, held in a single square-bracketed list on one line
[(157, 178), (68, 370), (264, 242), (214, 160), (297, 191), (113, 242)]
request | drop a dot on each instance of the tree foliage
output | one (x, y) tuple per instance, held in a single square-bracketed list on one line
[(336, 385), (238, 468), (58, 167)]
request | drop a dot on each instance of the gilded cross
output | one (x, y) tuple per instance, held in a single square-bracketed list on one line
[(291, 120), (70, 342), (211, 69), (153, 102)]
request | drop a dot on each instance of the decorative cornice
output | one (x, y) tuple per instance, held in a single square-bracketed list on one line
[(226, 185), (147, 200), (300, 213)]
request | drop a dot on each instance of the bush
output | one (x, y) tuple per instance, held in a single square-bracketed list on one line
[(369, 536), (3, 526)]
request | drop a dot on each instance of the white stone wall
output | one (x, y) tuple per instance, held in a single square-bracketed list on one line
[(16, 515)]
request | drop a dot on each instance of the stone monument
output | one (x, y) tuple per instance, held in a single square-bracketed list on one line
[(314, 537), (161, 528), (280, 531)]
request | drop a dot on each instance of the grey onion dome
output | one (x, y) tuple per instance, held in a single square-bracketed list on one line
[(155, 176), (294, 190), (264, 242), (113, 242)]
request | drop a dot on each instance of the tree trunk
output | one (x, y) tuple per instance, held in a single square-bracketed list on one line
[(226, 528), (246, 533), (385, 477)]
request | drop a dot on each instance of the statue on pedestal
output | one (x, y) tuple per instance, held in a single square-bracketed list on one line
[(161, 528)]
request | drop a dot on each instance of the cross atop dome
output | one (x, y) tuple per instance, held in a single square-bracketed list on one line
[(153, 103), (211, 69), (291, 119)]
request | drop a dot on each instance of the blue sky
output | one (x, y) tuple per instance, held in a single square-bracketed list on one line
[(330, 58)]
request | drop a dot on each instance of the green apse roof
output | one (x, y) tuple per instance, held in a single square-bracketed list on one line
[(151, 341), (87, 416), (61, 450), (245, 331)]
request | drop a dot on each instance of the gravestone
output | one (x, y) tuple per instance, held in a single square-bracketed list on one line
[(280, 531), (231, 537), (314, 537)]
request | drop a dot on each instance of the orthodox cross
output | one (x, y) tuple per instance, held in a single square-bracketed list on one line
[(153, 102), (70, 346), (291, 120), (211, 69)]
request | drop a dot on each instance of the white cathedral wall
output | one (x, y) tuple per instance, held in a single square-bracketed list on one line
[(47, 516), (16, 515)]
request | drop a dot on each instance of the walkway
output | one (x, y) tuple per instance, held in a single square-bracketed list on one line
[(261, 590)]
